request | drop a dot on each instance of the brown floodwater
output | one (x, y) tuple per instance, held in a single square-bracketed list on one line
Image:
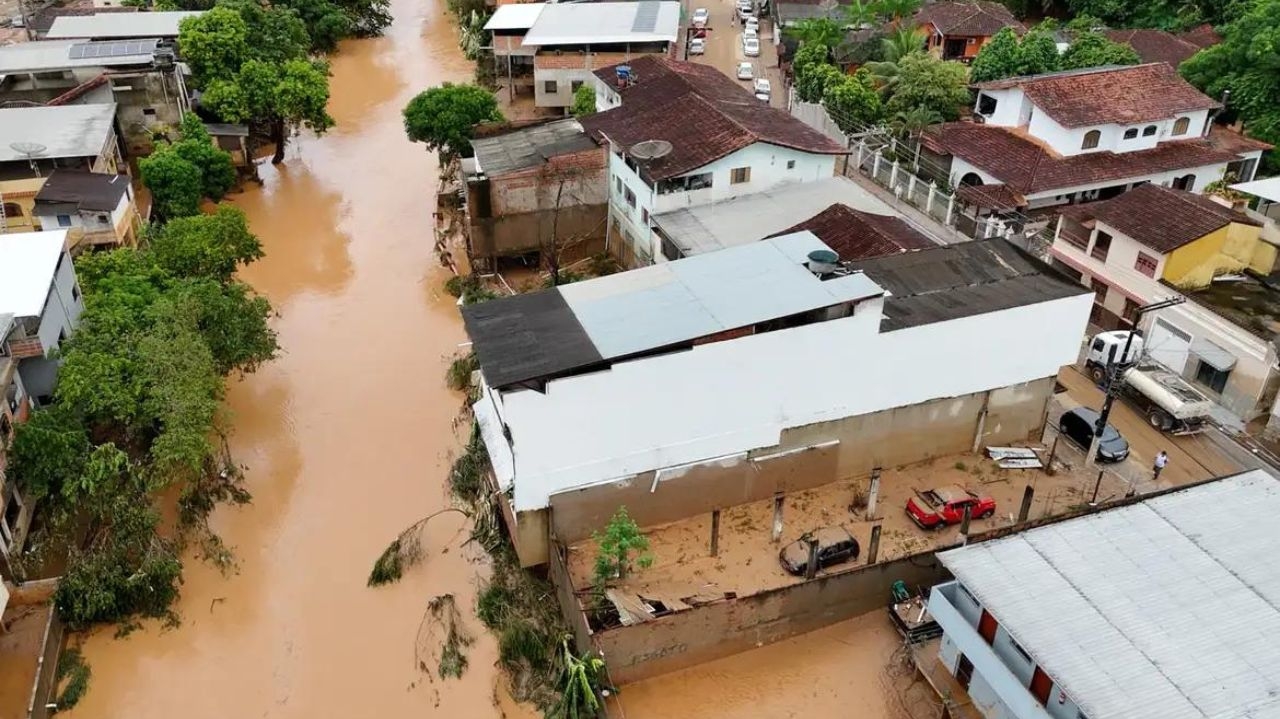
[(346, 437)]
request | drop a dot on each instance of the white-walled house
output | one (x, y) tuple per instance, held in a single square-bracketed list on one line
[(723, 144), (96, 209), (1083, 135), (725, 377), (38, 289), (1160, 609)]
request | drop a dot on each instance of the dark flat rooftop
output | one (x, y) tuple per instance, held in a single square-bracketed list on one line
[(527, 336), (86, 190)]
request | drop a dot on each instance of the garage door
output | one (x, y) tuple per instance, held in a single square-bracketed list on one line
[(1169, 345)]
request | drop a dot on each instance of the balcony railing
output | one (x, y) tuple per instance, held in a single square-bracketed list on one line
[(24, 348)]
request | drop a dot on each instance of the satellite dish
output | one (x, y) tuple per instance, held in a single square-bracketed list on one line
[(650, 150), (30, 149)]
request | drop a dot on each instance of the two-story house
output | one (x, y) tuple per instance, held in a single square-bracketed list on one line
[(40, 305), (1083, 135), (1159, 609), (1155, 242), (713, 141), (97, 209), (957, 30), (569, 41)]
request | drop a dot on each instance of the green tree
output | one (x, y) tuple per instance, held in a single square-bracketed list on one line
[(1038, 53), (896, 46), (176, 185), (619, 547), (584, 101), (324, 21), (217, 171), (925, 82), (1092, 49), (998, 59), (211, 246), (813, 84), (853, 102), (896, 10), (817, 31), (294, 93), (368, 17), (808, 56), (214, 44), (50, 447), (443, 117), (909, 124), (1247, 64), (859, 14)]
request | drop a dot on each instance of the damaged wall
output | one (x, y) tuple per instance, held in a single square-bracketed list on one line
[(808, 457)]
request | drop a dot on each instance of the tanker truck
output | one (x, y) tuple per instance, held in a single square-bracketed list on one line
[(1169, 402)]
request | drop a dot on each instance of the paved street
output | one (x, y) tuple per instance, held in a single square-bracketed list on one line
[(724, 47)]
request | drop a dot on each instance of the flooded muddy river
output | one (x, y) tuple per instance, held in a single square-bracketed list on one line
[(346, 437)]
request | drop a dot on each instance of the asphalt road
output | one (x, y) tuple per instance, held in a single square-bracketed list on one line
[(724, 47)]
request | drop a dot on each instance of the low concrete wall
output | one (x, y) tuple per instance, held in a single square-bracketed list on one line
[(715, 630), (570, 606), (808, 457)]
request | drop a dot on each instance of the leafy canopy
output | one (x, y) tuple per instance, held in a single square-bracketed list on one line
[(925, 82), (619, 547), (584, 101), (442, 118), (853, 102), (179, 174)]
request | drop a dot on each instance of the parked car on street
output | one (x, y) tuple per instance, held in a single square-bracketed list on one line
[(745, 71), (752, 21), (750, 46), (745, 12), (750, 32), (835, 545), (1078, 424), (697, 46), (701, 17), (762, 89), (944, 506)]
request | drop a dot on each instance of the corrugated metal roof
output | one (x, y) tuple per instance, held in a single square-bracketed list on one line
[(601, 23), (27, 263), (56, 55), (119, 25), (1166, 609), (516, 16), (62, 131), (696, 230), (529, 146)]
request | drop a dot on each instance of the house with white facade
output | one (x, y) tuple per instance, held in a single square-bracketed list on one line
[(765, 368), (1154, 243), (38, 289), (1163, 608), (566, 42), (1083, 135), (716, 142), (96, 209)]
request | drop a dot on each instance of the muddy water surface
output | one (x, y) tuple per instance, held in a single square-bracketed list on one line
[(346, 437)]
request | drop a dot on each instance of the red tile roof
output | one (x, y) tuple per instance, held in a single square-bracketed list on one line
[(1028, 168), (992, 197), (1156, 45), (856, 235), (970, 18), (1204, 36), (1096, 96), (703, 113), (1161, 218)]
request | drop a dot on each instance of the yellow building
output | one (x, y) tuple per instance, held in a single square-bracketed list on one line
[(17, 204)]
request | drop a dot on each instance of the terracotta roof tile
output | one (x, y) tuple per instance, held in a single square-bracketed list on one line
[(1027, 168), (1161, 218), (1123, 95), (1155, 45), (856, 235), (971, 18), (994, 197), (703, 113), (1203, 36)]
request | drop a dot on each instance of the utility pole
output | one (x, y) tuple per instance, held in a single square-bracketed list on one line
[(1115, 375)]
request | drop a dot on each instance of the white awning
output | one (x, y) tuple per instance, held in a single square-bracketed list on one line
[(1213, 355), (1268, 189)]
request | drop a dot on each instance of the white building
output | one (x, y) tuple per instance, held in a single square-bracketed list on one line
[(568, 41), (723, 144), (1167, 608), (119, 26), (1084, 135), (38, 289), (723, 378)]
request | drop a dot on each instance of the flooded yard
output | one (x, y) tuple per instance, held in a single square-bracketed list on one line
[(346, 437)]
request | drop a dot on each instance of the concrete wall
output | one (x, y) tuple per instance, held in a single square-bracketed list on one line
[(1226, 250), (685, 639), (145, 101), (827, 452)]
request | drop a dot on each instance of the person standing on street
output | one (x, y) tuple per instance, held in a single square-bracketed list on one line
[(1162, 459)]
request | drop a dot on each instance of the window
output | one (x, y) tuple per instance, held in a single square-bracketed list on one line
[(1099, 289), (739, 175), (1181, 125), (986, 105), (644, 216), (1130, 310), (12, 209), (630, 196), (1212, 377), (791, 164), (618, 182), (574, 85), (1101, 245), (75, 292), (1146, 264), (1186, 182), (1131, 133), (550, 87), (64, 220), (1149, 130), (1091, 139), (148, 112)]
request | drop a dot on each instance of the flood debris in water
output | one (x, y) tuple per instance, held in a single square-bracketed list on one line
[(404, 552), (442, 639)]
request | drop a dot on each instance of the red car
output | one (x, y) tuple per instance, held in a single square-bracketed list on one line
[(944, 506)]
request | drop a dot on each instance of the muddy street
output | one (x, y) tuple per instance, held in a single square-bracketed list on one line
[(346, 436)]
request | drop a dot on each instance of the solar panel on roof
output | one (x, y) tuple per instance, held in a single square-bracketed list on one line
[(646, 17), (88, 50)]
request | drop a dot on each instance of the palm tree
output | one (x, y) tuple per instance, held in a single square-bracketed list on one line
[(817, 31), (897, 45), (896, 10), (908, 124), (858, 14)]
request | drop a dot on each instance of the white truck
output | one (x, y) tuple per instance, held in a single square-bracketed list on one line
[(1170, 403)]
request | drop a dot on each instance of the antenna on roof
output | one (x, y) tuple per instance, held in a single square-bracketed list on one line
[(30, 150)]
